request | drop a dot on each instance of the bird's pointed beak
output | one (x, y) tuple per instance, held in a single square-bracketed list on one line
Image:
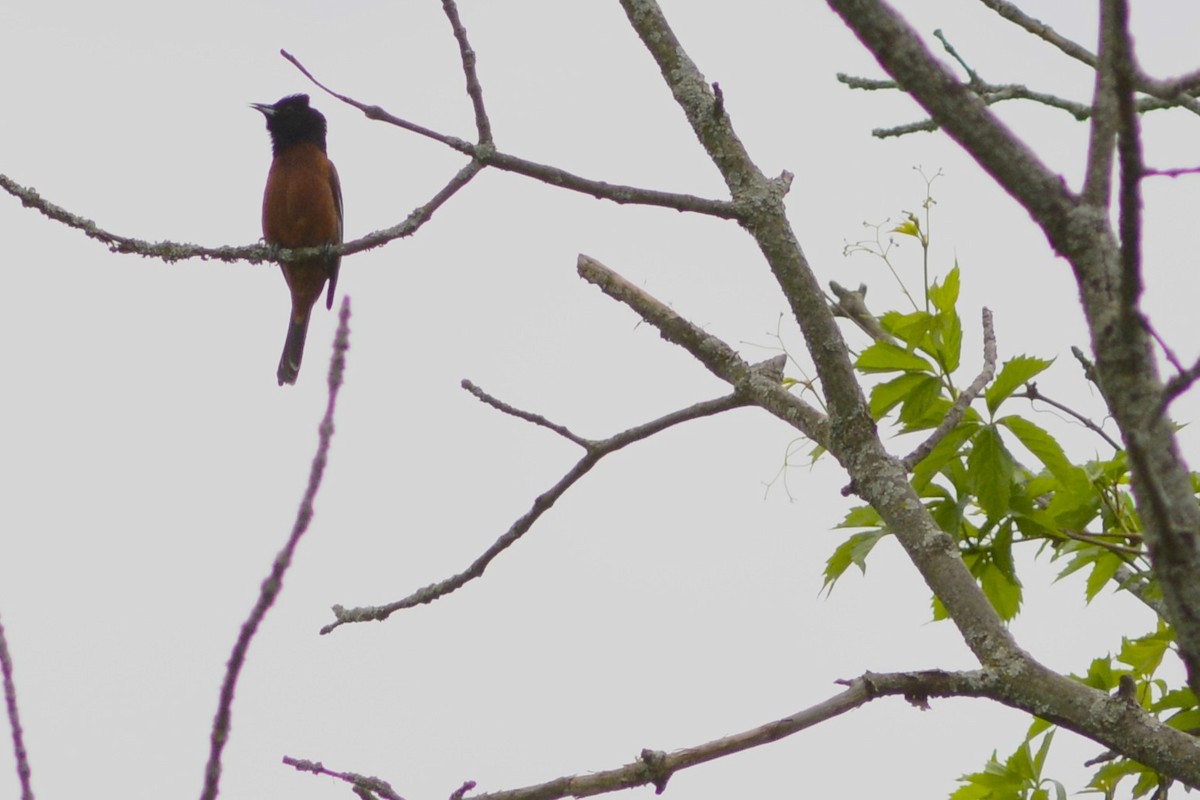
[(265, 108)]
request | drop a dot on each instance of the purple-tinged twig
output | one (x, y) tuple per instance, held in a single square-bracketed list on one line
[(14, 719), (273, 584)]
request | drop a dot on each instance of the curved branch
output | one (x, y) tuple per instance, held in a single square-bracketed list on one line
[(655, 768), (256, 253), (486, 154), (14, 719), (273, 584), (596, 450)]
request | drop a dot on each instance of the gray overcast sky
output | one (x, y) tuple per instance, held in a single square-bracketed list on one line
[(151, 466)]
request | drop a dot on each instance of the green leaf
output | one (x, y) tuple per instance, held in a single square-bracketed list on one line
[(922, 409), (1145, 654), (1014, 374), (1003, 592), (945, 295), (852, 551), (1176, 698), (949, 330), (1103, 568), (886, 357), (939, 610), (910, 227), (861, 517), (1039, 760), (1047, 450), (990, 470), (1101, 675), (1036, 727), (945, 450), (913, 327), (1186, 720), (887, 396), (995, 782), (1002, 553)]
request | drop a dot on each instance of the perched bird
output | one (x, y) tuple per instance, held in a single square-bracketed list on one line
[(302, 207)]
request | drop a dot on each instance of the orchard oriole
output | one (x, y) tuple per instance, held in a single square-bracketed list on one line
[(302, 207)]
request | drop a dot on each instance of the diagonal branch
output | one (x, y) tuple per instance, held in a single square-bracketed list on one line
[(487, 155), (1172, 92), (14, 719), (595, 451), (655, 768), (720, 359), (1081, 233), (273, 585)]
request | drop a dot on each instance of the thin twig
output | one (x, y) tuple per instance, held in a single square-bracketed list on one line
[(655, 767), (373, 787), (1032, 393), (595, 451), (961, 403), (1177, 385), (972, 75), (1172, 92), (536, 419), (14, 719), (483, 125), (487, 155), (273, 585)]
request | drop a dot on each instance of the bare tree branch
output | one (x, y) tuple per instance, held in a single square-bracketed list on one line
[(257, 253), (485, 154), (655, 768), (483, 125), (364, 785), (273, 584), (14, 719), (1173, 92), (595, 451), (964, 400), (1032, 393), (721, 359), (536, 419)]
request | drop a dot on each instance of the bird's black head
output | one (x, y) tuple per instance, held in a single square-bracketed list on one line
[(292, 121)]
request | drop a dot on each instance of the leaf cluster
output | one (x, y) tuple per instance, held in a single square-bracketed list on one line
[(998, 480)]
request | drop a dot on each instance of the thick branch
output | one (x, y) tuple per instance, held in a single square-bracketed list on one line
[(1125, 364), (853, 439)]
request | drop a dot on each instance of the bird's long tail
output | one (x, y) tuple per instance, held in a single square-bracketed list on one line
[(293, 348)]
